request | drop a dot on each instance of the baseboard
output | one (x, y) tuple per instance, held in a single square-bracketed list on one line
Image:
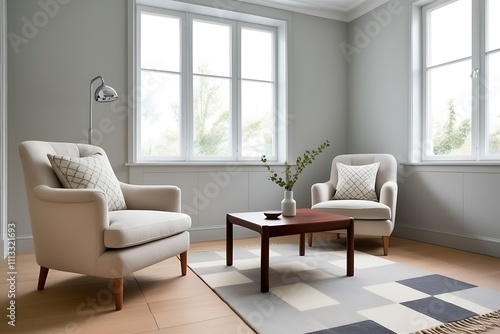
[(470, 243)]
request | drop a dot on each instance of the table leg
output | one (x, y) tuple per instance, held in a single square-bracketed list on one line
[(229, 243), (302, 244), (264, 260), (350, 249)]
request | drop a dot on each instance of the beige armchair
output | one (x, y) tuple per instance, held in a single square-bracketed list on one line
[(373, 216), (83, 231)]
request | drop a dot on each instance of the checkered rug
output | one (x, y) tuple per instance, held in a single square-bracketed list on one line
[(312, 294)]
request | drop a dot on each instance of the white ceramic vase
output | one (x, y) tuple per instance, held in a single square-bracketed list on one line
[(288, 204)]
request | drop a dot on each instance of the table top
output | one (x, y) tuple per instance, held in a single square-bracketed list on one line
[(306, 220)]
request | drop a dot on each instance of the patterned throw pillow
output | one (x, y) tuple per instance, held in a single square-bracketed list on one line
[(93, 171), (357, 182)]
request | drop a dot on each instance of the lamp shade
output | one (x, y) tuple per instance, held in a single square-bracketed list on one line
[(105, 93)]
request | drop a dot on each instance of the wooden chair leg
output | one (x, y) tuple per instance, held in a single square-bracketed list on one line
[(184, 263), (42, 277), (118, 292), (385, 240)]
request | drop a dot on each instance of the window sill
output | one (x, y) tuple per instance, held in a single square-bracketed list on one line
[(452, 163), (453, 167), (176, 167), (199, 163)]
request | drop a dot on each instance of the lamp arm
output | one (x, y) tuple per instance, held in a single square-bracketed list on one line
[(103, 93), (97, 77), (91, 130)]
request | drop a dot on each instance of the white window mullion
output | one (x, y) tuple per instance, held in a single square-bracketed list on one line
[(425, 64), (137, 83), (276, 93), (236, 92), (490, 53), (188, 88), (477, 72)]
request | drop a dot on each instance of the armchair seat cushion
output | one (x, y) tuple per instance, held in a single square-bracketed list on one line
[(357, 209), (129, 228)]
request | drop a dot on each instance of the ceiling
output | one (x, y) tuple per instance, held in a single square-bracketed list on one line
[(342, 10)]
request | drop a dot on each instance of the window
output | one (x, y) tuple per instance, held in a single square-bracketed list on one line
[(458, 61), (209, 88)]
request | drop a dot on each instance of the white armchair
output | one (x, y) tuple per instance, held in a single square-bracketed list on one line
[(75, 230), (373, 217)]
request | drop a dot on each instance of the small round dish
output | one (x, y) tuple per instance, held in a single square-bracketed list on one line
[(272, 214)]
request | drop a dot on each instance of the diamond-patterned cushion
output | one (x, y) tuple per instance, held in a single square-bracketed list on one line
[(93, 171), (357, 182)]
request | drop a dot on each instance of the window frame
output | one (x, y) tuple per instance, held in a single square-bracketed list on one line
[(241, 20), (418, 142)]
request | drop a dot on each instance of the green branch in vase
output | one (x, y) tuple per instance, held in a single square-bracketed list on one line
[(290, 176)]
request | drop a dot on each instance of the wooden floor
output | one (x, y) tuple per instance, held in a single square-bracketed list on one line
[(158, 300)]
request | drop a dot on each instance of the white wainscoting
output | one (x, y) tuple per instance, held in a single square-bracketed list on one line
[(210, 192), (453, 206)]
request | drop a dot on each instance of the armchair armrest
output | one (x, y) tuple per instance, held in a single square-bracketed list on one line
[(321, 192), (63, 195), (152, 197), (388, 196), (68, 226)]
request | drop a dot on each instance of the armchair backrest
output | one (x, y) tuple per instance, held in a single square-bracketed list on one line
[(387, 170), (36, 165)]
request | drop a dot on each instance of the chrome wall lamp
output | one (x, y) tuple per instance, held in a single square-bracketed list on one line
[(103, 93)]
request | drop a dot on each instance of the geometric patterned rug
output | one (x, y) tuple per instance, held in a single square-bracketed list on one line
[(312, 294)]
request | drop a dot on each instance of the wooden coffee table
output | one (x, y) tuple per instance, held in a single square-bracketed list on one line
[(306, 221)]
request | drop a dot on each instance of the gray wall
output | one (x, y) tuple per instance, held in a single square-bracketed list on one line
[(451, 205), (48, 94), (60, 50), (319, 96), (378, 81)]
